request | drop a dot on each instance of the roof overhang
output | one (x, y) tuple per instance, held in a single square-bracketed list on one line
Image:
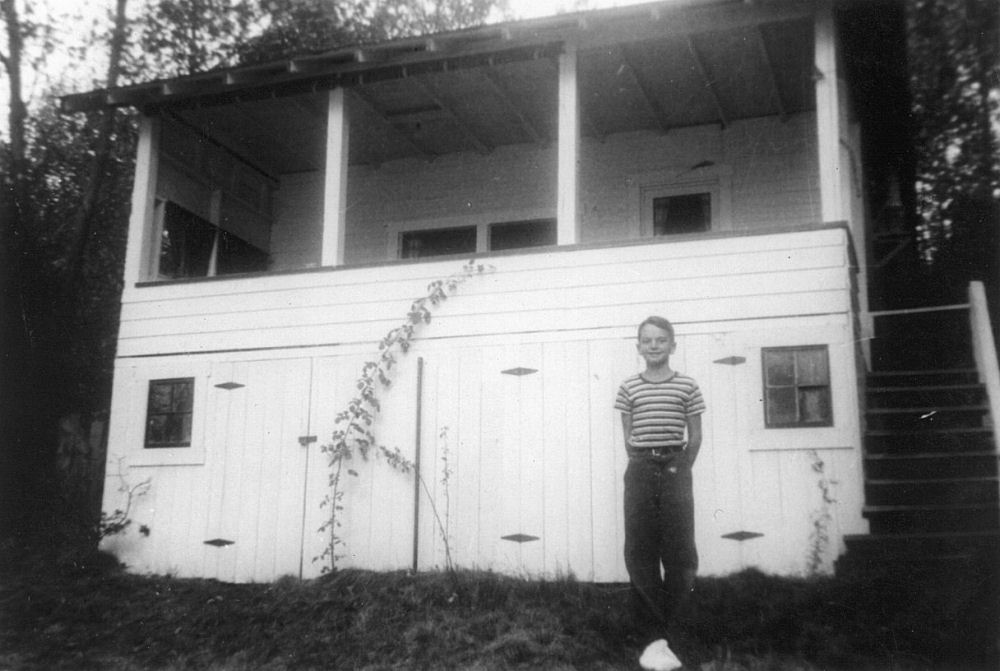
[(463, 49)]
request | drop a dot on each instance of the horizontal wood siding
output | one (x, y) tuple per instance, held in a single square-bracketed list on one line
[(695, 281)]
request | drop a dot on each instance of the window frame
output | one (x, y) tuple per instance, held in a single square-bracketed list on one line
[(481, 222), (130, 410), (798, 423), (147, 444), (714, 179)]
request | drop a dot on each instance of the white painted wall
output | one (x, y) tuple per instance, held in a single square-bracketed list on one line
[(769, 167), (540, 454)]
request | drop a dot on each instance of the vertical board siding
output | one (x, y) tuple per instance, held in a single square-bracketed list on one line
[(540, 454)]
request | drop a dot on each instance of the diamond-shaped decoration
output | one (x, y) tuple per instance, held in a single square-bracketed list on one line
[(731, 360), (229, 386), (742, 535), (219, 542), (519, 538), (519, 371)]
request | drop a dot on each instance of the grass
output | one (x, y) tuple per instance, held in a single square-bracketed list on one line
[(62, 614)]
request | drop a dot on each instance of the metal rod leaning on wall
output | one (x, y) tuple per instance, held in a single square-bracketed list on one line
[(416, 463)]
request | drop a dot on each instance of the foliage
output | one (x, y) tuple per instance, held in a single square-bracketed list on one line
[(364, 620), (954, 53), (355, 424), (819, 537)]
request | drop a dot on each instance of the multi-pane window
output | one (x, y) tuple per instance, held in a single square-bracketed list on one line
[(169, 412), (797, 387)]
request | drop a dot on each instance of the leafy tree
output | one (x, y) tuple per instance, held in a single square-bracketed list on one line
[(954, 54)]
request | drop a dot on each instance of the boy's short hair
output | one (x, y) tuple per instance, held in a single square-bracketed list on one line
[(659, 322)]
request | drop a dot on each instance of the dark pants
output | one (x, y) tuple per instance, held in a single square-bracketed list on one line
[(659, 532)]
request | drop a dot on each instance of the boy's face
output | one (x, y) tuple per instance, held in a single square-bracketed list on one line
[(655, 345)]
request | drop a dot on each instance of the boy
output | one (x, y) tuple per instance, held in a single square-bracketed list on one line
[(658, 407)]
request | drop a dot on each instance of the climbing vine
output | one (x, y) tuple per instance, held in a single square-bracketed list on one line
[(819, 537), (354, 433)]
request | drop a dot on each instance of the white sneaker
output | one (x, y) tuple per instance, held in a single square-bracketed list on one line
[(659, 657)]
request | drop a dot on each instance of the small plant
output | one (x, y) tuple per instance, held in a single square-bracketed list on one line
[(819, 537), (119, 520), (354, 433), (443, 525)]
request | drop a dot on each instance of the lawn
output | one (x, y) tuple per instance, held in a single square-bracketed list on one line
[(75, 614)]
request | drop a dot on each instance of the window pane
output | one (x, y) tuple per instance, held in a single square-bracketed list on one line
[(521, 234), (779, 367), (160, 397), (236, 255), (156, 429), (181, 396), (687, 213), (781, 408), (814, 405), (437, 242), (169, 413), (186, 243), (812, 366)]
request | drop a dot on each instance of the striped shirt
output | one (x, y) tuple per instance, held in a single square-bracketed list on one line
[(659, 410)]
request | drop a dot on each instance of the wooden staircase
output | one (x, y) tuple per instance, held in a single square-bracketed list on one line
[(932, 492)]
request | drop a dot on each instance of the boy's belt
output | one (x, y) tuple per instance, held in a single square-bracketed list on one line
[(657, 451)]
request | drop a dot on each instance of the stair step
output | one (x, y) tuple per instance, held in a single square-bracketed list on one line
[(927, 518), (926, 395), (925, 465), (894, 549), (927, 417), (955, 440), (937, 491), (930, 376)]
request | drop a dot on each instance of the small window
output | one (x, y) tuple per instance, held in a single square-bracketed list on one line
[(797, 387), (437, 242), (684, 213), (522, 234), (169, 413)]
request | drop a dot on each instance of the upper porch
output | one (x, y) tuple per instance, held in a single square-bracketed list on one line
[(601, 128)]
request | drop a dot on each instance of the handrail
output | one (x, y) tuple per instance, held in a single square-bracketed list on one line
[(985, 353)]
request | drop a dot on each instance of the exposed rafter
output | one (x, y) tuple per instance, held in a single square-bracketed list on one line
[(504, 93), (365, 98), (709, 82), (662, 119), (481, 146), (769, 67)]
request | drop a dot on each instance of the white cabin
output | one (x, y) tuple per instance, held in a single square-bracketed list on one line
[(693, 160)]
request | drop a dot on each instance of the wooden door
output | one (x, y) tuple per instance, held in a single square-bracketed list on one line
[(257, 470)]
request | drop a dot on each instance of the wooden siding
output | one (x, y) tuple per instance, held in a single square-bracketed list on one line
[(539, 454), (695, 280)]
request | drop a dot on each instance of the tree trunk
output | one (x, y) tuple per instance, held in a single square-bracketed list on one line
[(84, 223)]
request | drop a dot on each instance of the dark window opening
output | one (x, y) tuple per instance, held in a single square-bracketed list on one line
[(188, 243), (686, 213), (522, 234), (437, 242), (169, 413), (797, 387)]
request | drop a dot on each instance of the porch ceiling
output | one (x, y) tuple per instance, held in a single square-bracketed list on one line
[(627, 83)]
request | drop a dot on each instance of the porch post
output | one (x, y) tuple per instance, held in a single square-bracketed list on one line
[(335, 181), (832, 173), (567, 221), (141, 247)]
